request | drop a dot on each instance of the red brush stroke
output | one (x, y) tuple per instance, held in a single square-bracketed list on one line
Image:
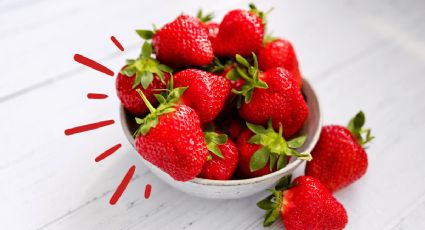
[(96, 96), (88, 127), (148, 190), (122, 186), (92, 64), (117, 43), (108, 152)]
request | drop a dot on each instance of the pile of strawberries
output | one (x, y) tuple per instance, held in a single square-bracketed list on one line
[(223, 101)]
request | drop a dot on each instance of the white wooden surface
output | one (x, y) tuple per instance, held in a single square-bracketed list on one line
[(366, 55)]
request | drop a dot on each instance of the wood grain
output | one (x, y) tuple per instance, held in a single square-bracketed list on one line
[(367, 55)]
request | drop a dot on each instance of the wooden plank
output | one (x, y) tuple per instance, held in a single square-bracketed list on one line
[(36, 29), (411, 218), (370, 57), (51, 32)]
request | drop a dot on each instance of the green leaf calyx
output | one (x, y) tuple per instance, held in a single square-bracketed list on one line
[(144, 68), (272, 205), (261, 14), (166, 105), (204, 18), (362, 135), (145, 34), (212, 140), (251, 75), (274, 148)]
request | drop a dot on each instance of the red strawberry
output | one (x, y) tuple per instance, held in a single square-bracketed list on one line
[(230, 107), (183, 42), (230, 73), (233, 127), (212, 27), (240, 32), (306, 204), (262, 150), (223, 158), (280, 53), (206, 92), (144, 73), (171, 138), (339, 156), (274, 95), (246, 150)]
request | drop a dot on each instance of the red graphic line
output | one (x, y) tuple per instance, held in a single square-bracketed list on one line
[(117, 43), (88, 127), (148, 190), (96, 96), (92, 64), (123, 185), (107, 152)]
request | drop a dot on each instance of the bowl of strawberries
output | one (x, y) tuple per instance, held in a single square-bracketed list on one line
[(218, 110)]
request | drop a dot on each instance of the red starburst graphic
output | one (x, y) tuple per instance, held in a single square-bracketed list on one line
[(84, 128)]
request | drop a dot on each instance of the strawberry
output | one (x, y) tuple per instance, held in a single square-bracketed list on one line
[(229, 110), (273, 94), (171, 137), (230, 73), (233, 126), (280, 53), (240, 32), (144, 73), (223, 158), (206, 92), (339, 156), (183, 42), (211, 27), (246, 150), (262, 150), (306, 204)]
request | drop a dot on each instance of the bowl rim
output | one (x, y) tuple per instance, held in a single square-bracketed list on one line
[(289, 167)]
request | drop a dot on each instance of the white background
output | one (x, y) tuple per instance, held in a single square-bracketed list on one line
[(366, 55)]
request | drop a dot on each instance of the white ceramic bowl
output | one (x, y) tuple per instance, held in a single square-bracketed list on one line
[(234, 189)]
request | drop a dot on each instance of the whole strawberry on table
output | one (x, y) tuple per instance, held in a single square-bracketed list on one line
[(339, 159), (223, 101)]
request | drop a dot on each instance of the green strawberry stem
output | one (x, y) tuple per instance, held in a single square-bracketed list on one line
[(260, 14), (284, 183), (253, 9), (268, 38), (146, 34), (212, 140), (274, 148), (146, 101), (251, 75), (145, 68), (166, 105), (204, 18), (244, 76), (362, 135), (272, 204), (215, 66)]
